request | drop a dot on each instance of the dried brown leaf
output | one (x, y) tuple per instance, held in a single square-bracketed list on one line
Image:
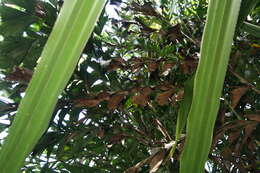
[(20, 74), (179, 95), (116, 138), (121, 60), (188, 66), (227, 153), (253, 117), (162, 129), (233, 136), (165, 87), (174, 33), (251, 145), (136, 67), (146, 91), (222, 115), (156, 161), (248, 131), (152, 66), (103, 96), (166, 68), (140, 99), (138, 166), (86, 102), (114, 101), (135, 90), (162, 98), (237, 93), (114, 65), (101, 133), (132, 170)]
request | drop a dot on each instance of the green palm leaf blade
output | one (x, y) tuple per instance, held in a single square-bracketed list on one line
[(252, 29), (208, 82), (58, 60)]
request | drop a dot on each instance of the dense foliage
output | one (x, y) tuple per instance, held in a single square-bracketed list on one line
[(119, 111)]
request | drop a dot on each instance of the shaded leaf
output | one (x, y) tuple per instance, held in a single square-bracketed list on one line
[(116, 138), (253, 117), (114, 101), (20, 74), (156, 161), (101, 133), (103, 96), (162, 98), (140, 99), (86, 102), (237, 93), (152, 66)]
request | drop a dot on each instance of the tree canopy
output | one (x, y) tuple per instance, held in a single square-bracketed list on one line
[(119, 111)]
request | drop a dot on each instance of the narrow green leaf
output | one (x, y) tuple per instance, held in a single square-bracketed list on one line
[(183, 113), (215, 50), (59, 58), (246, 7), (251, 29), (184, 107)]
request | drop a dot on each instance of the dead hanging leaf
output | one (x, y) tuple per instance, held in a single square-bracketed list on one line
[(236, 95), (142, 97), (162, 98), (248, 131), (162, 129), (101, 133), (114, 65), (253, 117), (140, 100), (146, 9), (233, 136), (39, 10), (132, 170), (235, 58), (167, 67), (251, 144), (136, 67), (152, 66), (156, 161), (146, 91), (165, 87), (114, 101), (226, 153), (222, 115), (138, 166), (230, 125), (179, 95), (135, 89), (184, 68), (174, 33), (86, 102), (20, 74), (188, 66), (249, 128), (103, 96), (119, 59), (117, 138)]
